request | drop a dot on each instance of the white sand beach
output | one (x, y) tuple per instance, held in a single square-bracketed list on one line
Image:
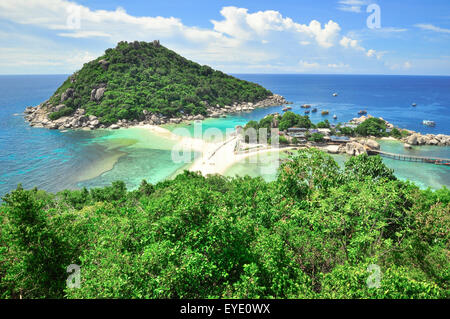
[(216, 157)]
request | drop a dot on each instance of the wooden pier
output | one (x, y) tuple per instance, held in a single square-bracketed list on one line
[(411, 158)]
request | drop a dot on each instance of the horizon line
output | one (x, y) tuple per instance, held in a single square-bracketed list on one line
[(341, 74)]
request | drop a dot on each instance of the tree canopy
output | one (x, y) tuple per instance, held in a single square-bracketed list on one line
[(312, 233)]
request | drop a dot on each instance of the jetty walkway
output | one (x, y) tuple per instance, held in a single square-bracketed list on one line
[(411, 158)]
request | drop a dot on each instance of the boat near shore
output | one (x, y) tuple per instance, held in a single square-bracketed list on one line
[(429, 123), (314, 110), (362, 112), (325, 112)]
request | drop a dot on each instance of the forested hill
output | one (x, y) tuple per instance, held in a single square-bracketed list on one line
[(138, 76)]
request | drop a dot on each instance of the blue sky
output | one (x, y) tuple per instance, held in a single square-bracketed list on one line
[(290, 36)]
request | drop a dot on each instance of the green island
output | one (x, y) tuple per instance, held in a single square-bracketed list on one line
[(356, 137), (145, 82), (318, 231)]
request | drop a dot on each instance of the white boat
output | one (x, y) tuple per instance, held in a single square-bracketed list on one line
[(414, 104), (335, 94), (335, 116), (428, 123)]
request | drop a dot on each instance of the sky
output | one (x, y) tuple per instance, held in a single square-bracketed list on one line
[(254, 36)]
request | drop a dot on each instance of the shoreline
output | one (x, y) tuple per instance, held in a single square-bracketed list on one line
[(38, 116), (216, 157)]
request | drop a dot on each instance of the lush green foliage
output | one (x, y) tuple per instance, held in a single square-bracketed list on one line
[(372, 126), (142, 76), (283, 140), (324, 124), (310, 234), (316, 137), (290, 119), (347, 131)]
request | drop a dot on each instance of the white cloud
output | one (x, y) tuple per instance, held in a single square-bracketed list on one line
[(356, 9), (14, 58), (389, 30), (431, 27), (325, 36), (308, 65), (400, 66), (338, 66), (240, 24), (351, 5), (370, 53), (347, 42), (239, 37), (84, 34)]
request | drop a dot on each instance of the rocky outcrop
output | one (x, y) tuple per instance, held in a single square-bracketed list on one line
[(355, 149), (217, 111), (414, 138), (38, 116), (67, 94), (97, 94), (428, 139), (372, 144), (359, 120), (104, 64)]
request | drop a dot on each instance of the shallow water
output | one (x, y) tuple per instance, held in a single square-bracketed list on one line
[(423, 174), (54, 160)]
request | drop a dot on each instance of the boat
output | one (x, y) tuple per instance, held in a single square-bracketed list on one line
[(428, 123), (335, 94), (325, 112), (362, 112), (305, 106), (287, 108), (335, 116), (414, 104), (314, 110), (306, 112)]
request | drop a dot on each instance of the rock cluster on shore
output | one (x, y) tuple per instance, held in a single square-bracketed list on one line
[(413, 138), (356, 147), (428, 139), (359, 120), (39, 116)]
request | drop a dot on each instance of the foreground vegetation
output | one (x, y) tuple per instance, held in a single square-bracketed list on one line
[(312, 233), (141, 76)]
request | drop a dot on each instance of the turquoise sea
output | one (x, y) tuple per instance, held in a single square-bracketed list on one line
[(55, 160)]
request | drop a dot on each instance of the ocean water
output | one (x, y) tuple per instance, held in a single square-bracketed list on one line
[(54, 160), (389, 97)]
